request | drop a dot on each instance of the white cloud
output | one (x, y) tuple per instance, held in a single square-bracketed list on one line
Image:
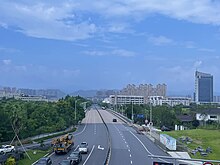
[(6, 62), (123, 53), (70, 20), (70, 73), (115, 52), (190, 44), (9, 50), (197, 64), (43, 20), (160, 40), (206, 50)]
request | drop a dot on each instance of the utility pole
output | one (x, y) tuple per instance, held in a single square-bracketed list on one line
[(132, 112), (75, 109)]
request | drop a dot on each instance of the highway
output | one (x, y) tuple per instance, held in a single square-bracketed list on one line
[(127, 147)]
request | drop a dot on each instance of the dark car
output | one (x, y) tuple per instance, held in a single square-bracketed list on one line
[(76, 157), (44, 161), (67, 162), (114, 120)]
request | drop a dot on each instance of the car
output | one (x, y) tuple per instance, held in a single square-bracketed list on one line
[(114, 120), (7, 148), (76, 157), (83, 147), (67, 162), (44, 161)]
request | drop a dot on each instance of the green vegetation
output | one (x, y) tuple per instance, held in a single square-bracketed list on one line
[(34, 154), (166, 115), (34, 118), (203, 138), (55, 135)]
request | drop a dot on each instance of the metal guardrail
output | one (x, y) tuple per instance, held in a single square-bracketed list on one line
[(178, 161), (109, 140)]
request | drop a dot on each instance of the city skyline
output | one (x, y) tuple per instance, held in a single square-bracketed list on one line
[(70, 45)]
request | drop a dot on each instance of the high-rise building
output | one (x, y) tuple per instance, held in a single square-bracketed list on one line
[(203, 87)]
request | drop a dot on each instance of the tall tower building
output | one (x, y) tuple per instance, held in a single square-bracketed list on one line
[(203, 87)]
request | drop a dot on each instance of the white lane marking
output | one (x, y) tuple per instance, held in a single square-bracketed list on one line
[(127, 146), (76, 147), (89, 155), (100, 148), (131, 162), (51, 154), (130, 155), (84, 127), (145, 147), (129, 150)]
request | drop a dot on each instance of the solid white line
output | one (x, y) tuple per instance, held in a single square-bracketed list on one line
[(89, 155), (145, 146), (51, 154), (84, 126)]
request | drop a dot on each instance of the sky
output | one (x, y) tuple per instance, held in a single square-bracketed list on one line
[(107, 44)]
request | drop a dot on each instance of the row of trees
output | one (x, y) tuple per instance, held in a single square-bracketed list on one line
[(33, 118), (164, 115)]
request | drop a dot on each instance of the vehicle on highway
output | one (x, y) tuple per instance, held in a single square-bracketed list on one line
[(76, 157), (63, 144), (67, 162), (7, 148), (114, 120), (83, 147), (44, 161)]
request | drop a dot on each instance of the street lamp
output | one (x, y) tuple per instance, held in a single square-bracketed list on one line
[(75, 109), (132, 112)]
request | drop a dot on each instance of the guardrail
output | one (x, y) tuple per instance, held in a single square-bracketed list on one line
[(120, 116), (178, 161), (109, 140)]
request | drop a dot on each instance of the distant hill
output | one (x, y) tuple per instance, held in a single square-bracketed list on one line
[(103, 93), (84, 93)]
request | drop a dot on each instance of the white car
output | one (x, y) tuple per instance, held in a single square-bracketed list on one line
[(83, 147), (7, 148)]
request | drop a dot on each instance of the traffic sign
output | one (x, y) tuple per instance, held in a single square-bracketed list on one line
[(140, 115)]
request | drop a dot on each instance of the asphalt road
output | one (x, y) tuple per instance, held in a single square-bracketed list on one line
[(93, 131), (127, 146)]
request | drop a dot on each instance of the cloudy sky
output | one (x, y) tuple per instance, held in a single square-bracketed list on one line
[(106, 44)]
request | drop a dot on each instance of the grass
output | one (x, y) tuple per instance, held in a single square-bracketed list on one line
[(203, 138), (34, 154)]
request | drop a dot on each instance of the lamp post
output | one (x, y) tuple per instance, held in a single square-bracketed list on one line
[(75, 109), (132, 112)]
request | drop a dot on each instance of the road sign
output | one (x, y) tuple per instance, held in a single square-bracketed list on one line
[(140, 115), (207, 163), (161, 163)]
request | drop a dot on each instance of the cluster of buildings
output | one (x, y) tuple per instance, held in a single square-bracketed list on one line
[(156, 95), (144, 90), (31, 94)]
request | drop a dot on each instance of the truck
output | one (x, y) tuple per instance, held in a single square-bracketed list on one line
[(63, 144)]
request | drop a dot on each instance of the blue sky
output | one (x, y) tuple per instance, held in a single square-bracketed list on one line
[(71, 45)]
